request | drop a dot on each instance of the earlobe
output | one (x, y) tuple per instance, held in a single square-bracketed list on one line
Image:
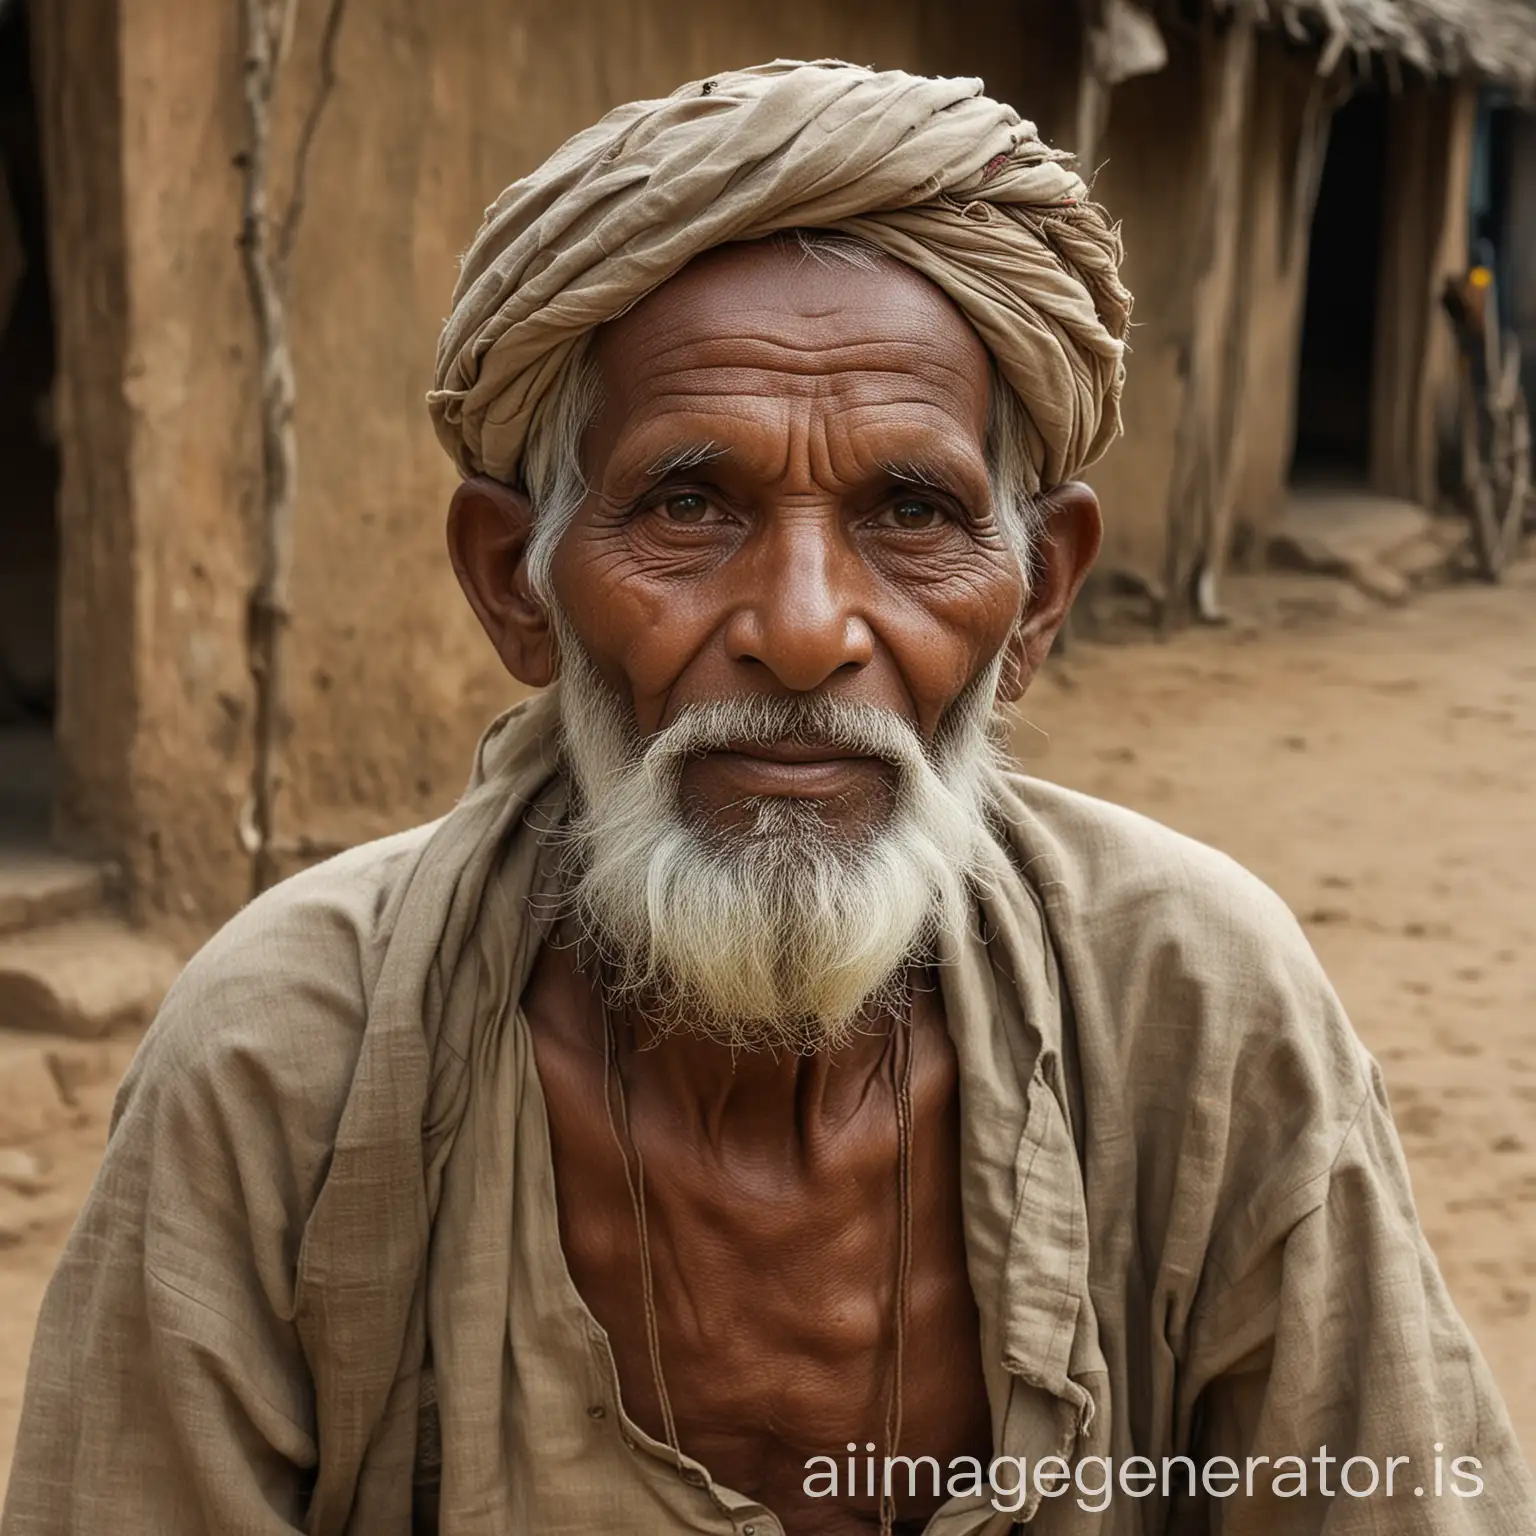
[(1066, 547), (1013, 680), (488, 528)]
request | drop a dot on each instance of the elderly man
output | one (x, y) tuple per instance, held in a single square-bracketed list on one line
[(754, 1108)]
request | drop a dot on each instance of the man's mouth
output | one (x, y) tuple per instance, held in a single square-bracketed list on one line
[(793, 769)]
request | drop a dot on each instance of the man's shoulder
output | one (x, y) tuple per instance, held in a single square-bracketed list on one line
[(289, 976), (1194, 995), (1119, 869), (1175, 952), (237, 1092)]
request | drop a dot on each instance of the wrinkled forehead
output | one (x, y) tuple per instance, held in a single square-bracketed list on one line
[(770, 322)]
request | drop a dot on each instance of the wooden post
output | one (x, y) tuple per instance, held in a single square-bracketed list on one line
[(1327, 93), (1091, 120), (1193, 485), (77, 63), (1435, 379), (266, 249), (1424, 220), (1229, 436), (1093, 95), (267, 24)]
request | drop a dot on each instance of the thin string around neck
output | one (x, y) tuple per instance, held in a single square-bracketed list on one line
[(634, 1179), (901, 1084)]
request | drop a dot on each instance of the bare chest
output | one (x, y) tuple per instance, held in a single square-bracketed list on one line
[(775, 1293)]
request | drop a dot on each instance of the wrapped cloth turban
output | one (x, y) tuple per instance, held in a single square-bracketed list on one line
[(931, 171)]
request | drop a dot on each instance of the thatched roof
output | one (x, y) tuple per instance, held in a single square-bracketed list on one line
[(1495, 39)]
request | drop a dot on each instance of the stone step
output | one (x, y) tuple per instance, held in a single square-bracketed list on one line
[(49, 1081), (1385, 546), (39, 887), (84, 978)]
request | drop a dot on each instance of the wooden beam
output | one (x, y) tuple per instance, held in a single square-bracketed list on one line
[(1093, 98), (1327, 93), (1227, 66), (1091, 118), (266, 249)]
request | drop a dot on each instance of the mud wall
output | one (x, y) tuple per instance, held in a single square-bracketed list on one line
[(435, 110), (1152, 176)]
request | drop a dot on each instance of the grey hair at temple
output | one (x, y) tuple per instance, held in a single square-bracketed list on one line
[(551, 473)]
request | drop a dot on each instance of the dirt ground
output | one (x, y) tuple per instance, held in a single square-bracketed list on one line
[(1378, 771), (1380, 774)]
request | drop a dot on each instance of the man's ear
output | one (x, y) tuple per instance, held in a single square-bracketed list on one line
[(488, 528), (1068, 542)]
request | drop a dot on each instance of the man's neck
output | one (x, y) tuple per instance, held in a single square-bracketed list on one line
[(719, 1096), (722, 1098)]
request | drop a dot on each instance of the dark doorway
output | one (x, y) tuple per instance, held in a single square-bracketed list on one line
[(1502, 218), (1489, 233), (29, 467), (1338, 339)]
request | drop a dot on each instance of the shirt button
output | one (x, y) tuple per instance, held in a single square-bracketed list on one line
[(597, 1411)]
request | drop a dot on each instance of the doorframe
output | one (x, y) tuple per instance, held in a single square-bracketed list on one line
[(77, 75)]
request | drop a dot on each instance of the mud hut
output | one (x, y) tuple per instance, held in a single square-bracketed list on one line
[(1294, 182), (131, 381)]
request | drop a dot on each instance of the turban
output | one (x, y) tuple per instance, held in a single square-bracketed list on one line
[(931, 171)]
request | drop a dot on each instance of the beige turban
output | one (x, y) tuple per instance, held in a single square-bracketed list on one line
[(936, 174)]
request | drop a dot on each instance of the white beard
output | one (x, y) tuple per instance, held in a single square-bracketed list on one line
[(783, 934)]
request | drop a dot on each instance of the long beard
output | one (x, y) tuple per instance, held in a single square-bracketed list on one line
[(783, 932)]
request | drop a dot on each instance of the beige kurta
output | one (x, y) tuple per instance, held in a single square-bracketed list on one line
[(319, 1282)]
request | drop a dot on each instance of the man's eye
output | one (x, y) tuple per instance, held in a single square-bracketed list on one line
[(912, 514), (688, 507)]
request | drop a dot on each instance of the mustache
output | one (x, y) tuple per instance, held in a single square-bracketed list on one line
[(813, 720)]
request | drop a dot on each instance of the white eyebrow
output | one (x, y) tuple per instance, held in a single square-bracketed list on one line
[(686, 456), (916, 471)]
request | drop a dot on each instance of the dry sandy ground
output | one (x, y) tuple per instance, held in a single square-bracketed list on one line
[(1379, 773), (1381, 776)]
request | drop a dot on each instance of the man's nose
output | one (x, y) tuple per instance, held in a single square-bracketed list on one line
[(800, 614)]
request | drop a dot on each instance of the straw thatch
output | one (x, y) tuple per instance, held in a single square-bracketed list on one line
[(1493, 39)]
